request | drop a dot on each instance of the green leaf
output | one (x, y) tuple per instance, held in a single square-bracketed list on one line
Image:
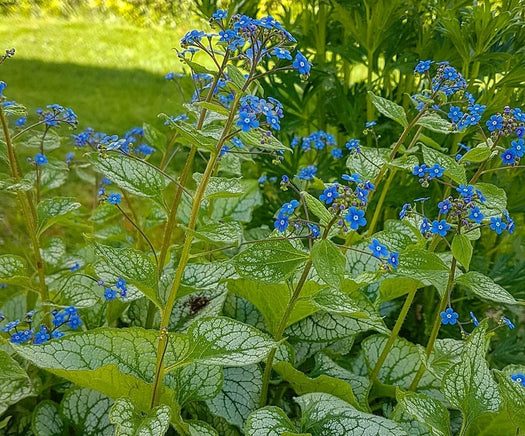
[(224, 232), (389, 109), (239, 395), (220, 187), (46, 420), (130, 264), (477, 154), (51, 141), (269, 261), (12, 267), (134, 176), (317, 207), (260, 140), (236, 76), (202, 276), (268, 421), (53, 251), (50, 210), (324, 414), (435, 123), (224, 341), (462, 250), (496, 199), (513, 394), (335, 301), (239, 208), (430, 412), (272, 300), (401, 363), (87, 412), (214, 107), (200, 428), (193, 137), (484, 287), (129, 422), (154, 137), (53, 174), (302, 384), (393, 287), (423, 266), (329, 262), (77, 290), (468, 385), (14, 382), (368, 162), (195, 382), (116, 362), (452, 169)]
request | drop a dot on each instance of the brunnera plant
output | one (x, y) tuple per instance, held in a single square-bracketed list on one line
[(171, 314)]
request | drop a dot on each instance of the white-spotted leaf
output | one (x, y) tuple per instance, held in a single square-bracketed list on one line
[(51, 210), (432, 413), (129, 422), (14, 382), (46, 419), (484, 287), (268, 421)]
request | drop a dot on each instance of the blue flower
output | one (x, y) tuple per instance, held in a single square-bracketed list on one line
[(10, 325), (393, 259), (59, 318), (419, 170), (3, 86), (404, 210), (518, 378), (20, 121), (301, 64), (329, 194), (369, 124), (444, 206), (497, 225), (281, 223), (41, 336), (74, 322), (110, 294), (508, 157), (262, 179), (121, 283), (71, 310), (422, 66), (273, 121), (237, 142), (508, 322), (353, 144), (495, 122), (476, 215), (466, 190), (40, 159), (517, 146), (362, 194), (355, 217), (69, 157), (352, 178), (247, 121), (220, 14), (477, 109), (377, 248), (336, 153), (57, 334), (114, 198), (281, 53), (308, 172), (440, 227), (288, 208), (455, 113), (424, 228), (315, 230), (436, 171), (449, 317), (474, 319), (170, 76)]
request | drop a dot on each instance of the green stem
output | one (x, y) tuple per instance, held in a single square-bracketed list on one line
[(185, 253), (395, 331), (279, 333), (380, 202), (437, 323)]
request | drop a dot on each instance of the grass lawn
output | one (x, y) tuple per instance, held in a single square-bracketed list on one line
[(111, 74)]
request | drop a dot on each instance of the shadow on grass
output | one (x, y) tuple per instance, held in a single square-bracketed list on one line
[(109, 100)]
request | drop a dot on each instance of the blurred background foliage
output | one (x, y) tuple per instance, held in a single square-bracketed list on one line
[(107, 58)]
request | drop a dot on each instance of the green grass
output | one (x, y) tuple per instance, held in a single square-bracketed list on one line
[(110, 74)]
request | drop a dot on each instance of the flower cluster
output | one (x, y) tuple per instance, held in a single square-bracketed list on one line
[(255, 110), (287, 209), (56, 115), (426, 174), (66, 317), (380, 251), (121, 289), (318, 140)]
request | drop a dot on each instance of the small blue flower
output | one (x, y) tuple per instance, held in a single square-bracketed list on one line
[(281, 53), (474, 319), (440, 227), (316, 233), (419, 170), (74, 322), (273, 121), (110, 294), (121, 283), (301, 64), (444, 206), (508, 157), (435, 171), (40, 159), (476, 215), (466, 190), (404, 210), (41, 336), (307, 173), (220, 14), (10, 325), (71, 310), (59, 318), (20, 121), (57, 334), (262, 179), (247, 121), (329, 194), (69, 157), (424, 228), (518, 378), (377, 248), (393, 259), (114, 198), (355, 217), (477, 109), (281, 223), (455, 113), (237, 142), (508, 322), (353, 144), (495, 122), (449, 317), (288, 208), (518, 147), (336, 153), (369, 124), (422, 66), (497, 225), (170, 76)]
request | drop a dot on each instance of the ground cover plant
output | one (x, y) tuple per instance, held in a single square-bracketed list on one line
[(157, 302)]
